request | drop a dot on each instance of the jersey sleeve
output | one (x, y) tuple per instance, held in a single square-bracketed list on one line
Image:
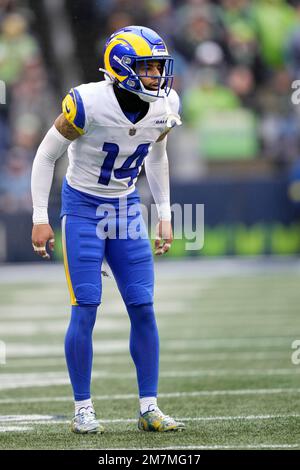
[(74, 111)]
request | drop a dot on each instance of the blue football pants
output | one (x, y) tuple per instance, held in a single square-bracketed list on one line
[(131, 262)]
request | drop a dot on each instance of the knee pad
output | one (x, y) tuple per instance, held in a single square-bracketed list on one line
[(138, 295), (87, 294)]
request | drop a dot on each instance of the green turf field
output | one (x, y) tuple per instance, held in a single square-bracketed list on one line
[(226, 365)]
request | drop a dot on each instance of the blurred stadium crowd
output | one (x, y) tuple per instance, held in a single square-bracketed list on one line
[(30, 103), (235, 61)]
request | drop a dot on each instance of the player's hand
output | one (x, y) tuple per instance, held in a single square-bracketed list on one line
[(41, 234), (164, 237)]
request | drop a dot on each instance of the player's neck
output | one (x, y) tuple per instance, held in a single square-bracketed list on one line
[(129, 101)]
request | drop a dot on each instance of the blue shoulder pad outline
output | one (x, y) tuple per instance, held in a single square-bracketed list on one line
[(73, 110)]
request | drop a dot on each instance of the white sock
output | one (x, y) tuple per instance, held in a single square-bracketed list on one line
[(83, 404), (148, 404)]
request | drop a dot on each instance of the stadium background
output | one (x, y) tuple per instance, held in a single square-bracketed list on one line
[(238, 151)]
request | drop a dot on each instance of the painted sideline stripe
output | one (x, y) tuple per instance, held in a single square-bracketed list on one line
[(131, 396)]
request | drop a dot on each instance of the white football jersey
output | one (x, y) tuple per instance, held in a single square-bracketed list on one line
[(107, 158)]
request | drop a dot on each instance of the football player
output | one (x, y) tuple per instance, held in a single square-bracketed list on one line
[(110, 128)]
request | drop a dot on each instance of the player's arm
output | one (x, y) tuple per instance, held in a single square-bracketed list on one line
[(53, 146), (157, 172)]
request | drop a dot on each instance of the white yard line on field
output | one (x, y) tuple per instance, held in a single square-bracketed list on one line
[(45, 379), (131, 396), (46, 419), (115, 310), (39, 350), (108, 323), (190, 269), (111, 308), (228, 372), (114, 359), (15, 428), (18, 349), (246, 446), (225, 343), (27, 418), (212, 447), (29, 328)]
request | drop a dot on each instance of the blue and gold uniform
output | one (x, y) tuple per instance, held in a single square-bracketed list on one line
[(99, 188)]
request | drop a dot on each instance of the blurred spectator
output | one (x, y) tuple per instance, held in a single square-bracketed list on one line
[(292, 48), (16, 47), (275, 20), (194, 25), (15, 193), (241, 82), (238, 21), (208, 93), (161, 17), (280, 125), (4, 133), (29, 109), (5, 7), (33, 95)]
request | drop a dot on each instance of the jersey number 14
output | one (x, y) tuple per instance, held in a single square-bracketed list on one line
[(126, 170)]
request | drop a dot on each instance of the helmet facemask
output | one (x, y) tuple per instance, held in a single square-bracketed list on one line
[(127, 54), (141, 69), (134, 84)]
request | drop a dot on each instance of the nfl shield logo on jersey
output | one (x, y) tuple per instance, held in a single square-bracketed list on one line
[(132, 131)]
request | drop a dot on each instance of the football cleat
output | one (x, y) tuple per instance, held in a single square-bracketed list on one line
[(156, 421), (85, 422), (128, 48)]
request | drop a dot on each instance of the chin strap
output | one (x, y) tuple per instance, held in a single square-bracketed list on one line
[(145, 96), (108, 76)]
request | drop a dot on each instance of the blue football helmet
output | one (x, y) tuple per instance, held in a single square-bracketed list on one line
[(126, 50)]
